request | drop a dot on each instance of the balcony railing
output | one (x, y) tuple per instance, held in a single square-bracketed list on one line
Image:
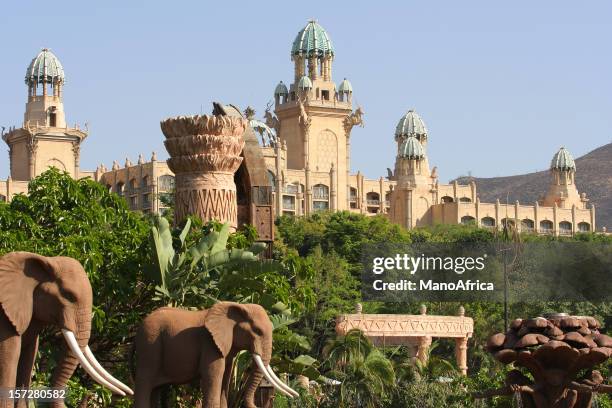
[(373, 202), (319, 195)]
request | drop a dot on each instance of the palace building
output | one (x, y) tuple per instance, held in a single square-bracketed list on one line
[(304, 143)]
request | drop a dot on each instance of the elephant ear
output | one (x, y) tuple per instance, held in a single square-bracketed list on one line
[(220, 321), (20, 273)]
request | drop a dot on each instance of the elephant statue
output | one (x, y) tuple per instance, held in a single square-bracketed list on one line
[(36, 292), (178, 346)]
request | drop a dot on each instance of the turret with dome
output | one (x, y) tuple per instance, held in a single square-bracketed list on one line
[(45, 139)]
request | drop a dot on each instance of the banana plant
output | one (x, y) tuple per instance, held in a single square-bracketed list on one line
[(184, 273)]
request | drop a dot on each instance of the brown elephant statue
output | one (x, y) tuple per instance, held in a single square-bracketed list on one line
[(36, 292), (178, 346)]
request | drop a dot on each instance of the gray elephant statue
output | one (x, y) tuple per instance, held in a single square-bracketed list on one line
[(36, 292), (178, 346)]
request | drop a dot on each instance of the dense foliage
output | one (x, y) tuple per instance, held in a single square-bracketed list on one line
[(332, 242)]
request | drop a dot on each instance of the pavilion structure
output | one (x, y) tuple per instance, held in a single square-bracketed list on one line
[(414, 331)]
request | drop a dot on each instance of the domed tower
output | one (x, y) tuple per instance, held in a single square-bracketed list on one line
[(316, 118), (412, 196), (411, 125), (562, 189), (44, 140)]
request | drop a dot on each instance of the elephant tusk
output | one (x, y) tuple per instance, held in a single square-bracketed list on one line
[(329, 381), (74, 347), (92, 359), (281, 383), (262, 368)]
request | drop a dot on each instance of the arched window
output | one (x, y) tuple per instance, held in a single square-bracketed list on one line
[(272, 179), (584, 227), (507, 222), (565, 228), (132, 185), (353, 197), (166, 183), (2, 198), (292, 188), (145, 181), (527, 225), (373, 202), (320, 192), (446, 199), (465, 200), (388, 199), (546, 226), (119, 187), (373, 198), (468, 220), (488, 222)]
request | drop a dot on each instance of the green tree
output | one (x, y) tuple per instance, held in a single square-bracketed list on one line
[(366, 374), (81, 219)]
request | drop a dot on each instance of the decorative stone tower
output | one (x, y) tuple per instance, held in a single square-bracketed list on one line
[(205, 154), (409, 125), (562, 191), (44, 140), (316, 118), (411, 172), (415, 190)]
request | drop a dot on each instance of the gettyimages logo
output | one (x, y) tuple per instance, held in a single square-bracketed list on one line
[(487, 271), (412, 264)]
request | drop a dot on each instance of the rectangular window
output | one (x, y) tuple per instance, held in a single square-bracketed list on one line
[(320, 205)]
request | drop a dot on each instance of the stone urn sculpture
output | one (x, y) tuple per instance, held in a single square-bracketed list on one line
[(204, 155), (560, 352)]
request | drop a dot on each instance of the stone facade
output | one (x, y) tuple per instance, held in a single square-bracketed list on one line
[(301, 165)]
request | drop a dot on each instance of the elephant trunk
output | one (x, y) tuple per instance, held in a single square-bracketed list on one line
[(68, 363), (253, 382)]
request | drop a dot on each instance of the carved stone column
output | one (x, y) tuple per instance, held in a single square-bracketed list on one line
[(461, 354), (205, 154), (423, 348)]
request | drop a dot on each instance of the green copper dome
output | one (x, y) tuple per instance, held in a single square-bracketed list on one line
[(44, 67), (281, 89), (410, 124), (304, 83), (345, 86), (312, 40), (412, 149), (563, 160)]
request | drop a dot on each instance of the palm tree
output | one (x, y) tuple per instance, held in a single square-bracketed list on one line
[(434, 367), (366, 374)]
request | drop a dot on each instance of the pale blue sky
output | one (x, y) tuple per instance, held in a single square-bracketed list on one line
[(501, 85)]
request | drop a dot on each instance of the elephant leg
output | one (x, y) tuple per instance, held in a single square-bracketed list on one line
[(227, 376), (144, 392), (10, 347), (29, 347), (211, 379)]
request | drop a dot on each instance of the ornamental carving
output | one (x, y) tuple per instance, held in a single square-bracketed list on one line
[(205, 154), (406, 325), (352, 120)]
